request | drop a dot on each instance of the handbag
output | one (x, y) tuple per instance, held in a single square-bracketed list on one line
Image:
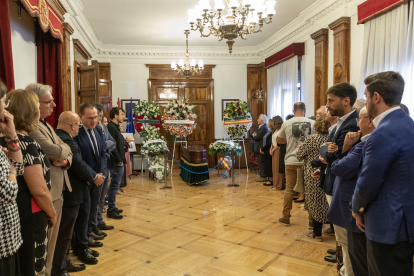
[(299, 187)]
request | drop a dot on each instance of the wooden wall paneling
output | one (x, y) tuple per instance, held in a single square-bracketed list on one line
[(105, 84), (81, 57), (199, 90), (66, 68), (88, 83), (342, 47), (256, 92), (321, 66)]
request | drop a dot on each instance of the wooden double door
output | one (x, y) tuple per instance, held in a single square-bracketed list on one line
[(199, 92)]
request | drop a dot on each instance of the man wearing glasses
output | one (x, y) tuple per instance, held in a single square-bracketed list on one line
[(60, 157)]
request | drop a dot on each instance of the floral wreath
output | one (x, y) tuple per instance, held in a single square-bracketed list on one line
[(179, 119), (156, 166), (237, 118), (223, 146), (146, 112)]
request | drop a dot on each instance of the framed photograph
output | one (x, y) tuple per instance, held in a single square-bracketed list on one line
[(125, 105), (224, 103)]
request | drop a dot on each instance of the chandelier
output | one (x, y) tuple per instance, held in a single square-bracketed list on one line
[(187, 68), (232, 19)]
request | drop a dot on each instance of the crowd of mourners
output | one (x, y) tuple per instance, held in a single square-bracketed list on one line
[(55, 183), (353, 161)]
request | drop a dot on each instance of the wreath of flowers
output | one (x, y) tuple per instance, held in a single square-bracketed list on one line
[(146, 110), (237, 118), (153, 147), (150, 133), (223, 146), (156, 166), (180, 111)]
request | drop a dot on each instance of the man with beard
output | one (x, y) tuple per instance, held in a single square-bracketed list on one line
[(340, 100), (382, 203)]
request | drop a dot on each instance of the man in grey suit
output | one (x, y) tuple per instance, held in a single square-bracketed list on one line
[(60, 156), (110, 146), (257, 137)]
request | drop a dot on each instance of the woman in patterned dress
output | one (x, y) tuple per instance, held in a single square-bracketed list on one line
[(11, 165), (33, 198), (315, 195)]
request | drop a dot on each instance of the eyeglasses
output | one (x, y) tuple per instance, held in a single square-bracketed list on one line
[(359, 119), (79, 124), (47, 102)]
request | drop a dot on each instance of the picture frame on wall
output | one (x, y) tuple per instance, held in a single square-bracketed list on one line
[(224, 103), (125, 105)]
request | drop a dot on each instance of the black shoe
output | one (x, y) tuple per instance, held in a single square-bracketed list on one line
[(119, 211), (331, 251), (330, 258), (96, 237), (93, 252), (93, 243), (114, 215), (104, 226), (75, 267), (87, 258), (98, 232)]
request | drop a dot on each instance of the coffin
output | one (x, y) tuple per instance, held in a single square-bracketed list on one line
[(195, 154)]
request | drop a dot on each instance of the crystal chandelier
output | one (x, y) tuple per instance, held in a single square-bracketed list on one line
[(187, 68), (239, 20)]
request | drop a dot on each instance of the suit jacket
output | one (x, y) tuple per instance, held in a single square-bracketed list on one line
[(95, 164), (79, 174), (266, 147), (118, 154), (345, 168), (258, 139), (338, 137), (55, 149), (384, 191)]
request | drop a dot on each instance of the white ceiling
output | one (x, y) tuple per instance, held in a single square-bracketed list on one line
[(162, 22)]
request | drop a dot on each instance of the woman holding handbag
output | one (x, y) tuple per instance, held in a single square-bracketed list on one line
[(315, 196)]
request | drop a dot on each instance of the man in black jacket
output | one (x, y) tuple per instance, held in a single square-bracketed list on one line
[(68, 127), (116, 161), (257, 137)]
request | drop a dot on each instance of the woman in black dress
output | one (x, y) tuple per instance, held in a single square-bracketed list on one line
[(11, 165), (33, 198), (265, 151)]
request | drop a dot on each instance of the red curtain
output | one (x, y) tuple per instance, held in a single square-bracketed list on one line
[(49, 59), (6, 57)]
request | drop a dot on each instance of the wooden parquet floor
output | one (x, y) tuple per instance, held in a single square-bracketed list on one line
[(210, 229)]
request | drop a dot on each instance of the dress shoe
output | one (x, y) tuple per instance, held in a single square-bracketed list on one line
[(87, 258), (75, 267), (330, 258), (104, 226), (285, 221), (331, 251), (93, 252), (96, 237), (268, 184), (93, 243), (98, 232), (114, 215), (119, 211)]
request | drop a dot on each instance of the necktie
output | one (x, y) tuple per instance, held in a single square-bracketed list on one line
[(95, 149)]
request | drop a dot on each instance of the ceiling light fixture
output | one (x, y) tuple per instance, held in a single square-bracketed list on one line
[(240, 19), (187, 68)]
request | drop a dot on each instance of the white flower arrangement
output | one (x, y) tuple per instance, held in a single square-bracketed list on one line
[(223, 146), (150, 133), (148, 109), (153, 147), (156, 166)]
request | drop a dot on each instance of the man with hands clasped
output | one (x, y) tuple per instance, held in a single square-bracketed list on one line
[(345, 168)]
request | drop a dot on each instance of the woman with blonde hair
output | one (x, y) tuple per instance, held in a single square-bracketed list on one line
[(33, 198), (315, 195)]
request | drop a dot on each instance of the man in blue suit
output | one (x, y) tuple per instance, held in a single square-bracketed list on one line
[(345, 168), (340, 100), (382, 203), (91, 142)]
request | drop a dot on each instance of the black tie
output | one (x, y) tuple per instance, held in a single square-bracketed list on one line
[(95, 148)]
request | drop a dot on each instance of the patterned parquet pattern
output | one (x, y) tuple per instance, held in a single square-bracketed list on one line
[(209, 229)]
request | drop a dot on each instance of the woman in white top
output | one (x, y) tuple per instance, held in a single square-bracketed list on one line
[(275, 152)]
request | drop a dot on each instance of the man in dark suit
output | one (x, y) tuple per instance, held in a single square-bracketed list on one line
[(382, 203), (345, 168), (93, 147), (79, 175), (257, 137), (340, 100)]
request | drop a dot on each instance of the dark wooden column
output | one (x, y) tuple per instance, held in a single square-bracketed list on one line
[(256, 92), (342, 47), (321, 66), (66, 67)]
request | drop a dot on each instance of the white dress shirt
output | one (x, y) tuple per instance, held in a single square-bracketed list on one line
[(379, 118), (342, 119)]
